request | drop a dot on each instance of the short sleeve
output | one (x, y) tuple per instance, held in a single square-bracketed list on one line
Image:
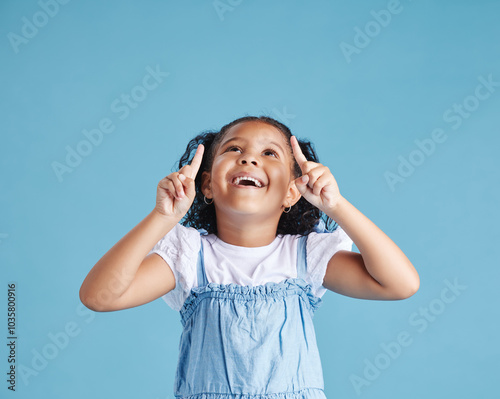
[(321, 246), (180, 248)]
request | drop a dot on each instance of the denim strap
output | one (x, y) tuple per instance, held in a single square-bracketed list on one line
[(202, 277), (302, 257)]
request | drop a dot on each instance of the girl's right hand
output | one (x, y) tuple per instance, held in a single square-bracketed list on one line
[(175, 193)]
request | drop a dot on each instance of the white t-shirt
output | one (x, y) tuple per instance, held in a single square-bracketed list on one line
[(226, 263)]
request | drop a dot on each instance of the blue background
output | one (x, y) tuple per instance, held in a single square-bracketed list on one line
[(363, 111)]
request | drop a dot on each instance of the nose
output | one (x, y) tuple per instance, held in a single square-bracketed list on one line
[(248, 157)]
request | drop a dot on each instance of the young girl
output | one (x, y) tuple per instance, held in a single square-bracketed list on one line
[(249, 263)]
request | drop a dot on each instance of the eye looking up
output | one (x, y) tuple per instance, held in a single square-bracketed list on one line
[(251, 182)]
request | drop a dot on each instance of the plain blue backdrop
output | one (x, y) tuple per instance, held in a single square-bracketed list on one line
[(401, 100)]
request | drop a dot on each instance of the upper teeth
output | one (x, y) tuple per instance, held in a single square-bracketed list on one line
[(238, 179)]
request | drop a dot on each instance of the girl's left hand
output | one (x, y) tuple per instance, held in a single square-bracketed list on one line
[(319, 187)]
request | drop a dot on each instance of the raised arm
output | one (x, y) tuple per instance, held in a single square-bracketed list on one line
[(125, 277), (381, 270)]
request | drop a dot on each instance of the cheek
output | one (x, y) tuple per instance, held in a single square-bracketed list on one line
[(217, 166), (281, 178), (218, 172)]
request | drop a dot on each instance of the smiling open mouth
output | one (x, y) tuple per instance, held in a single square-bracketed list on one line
[(247, 181)]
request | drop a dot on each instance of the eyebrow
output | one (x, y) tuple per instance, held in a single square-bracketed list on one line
[(239, 138)]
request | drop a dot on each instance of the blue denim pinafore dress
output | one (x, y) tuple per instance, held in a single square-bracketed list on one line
[(250, 342)]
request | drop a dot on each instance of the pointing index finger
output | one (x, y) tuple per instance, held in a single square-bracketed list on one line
[(196, 162), (297, 152)]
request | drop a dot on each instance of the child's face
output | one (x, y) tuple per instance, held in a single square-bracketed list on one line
[(261, 151)]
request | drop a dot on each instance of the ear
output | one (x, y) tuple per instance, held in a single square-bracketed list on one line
[(205, 184), (293, 195)]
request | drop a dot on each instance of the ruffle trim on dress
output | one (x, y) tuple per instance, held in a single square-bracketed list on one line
[(249, 293), (308, 393)]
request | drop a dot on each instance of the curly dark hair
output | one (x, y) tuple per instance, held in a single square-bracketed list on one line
[(302, 217)]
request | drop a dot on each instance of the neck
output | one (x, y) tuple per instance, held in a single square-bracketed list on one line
[(247, 230)]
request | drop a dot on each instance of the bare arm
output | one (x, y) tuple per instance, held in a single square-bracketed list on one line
[(380, 271), (124, 277)]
